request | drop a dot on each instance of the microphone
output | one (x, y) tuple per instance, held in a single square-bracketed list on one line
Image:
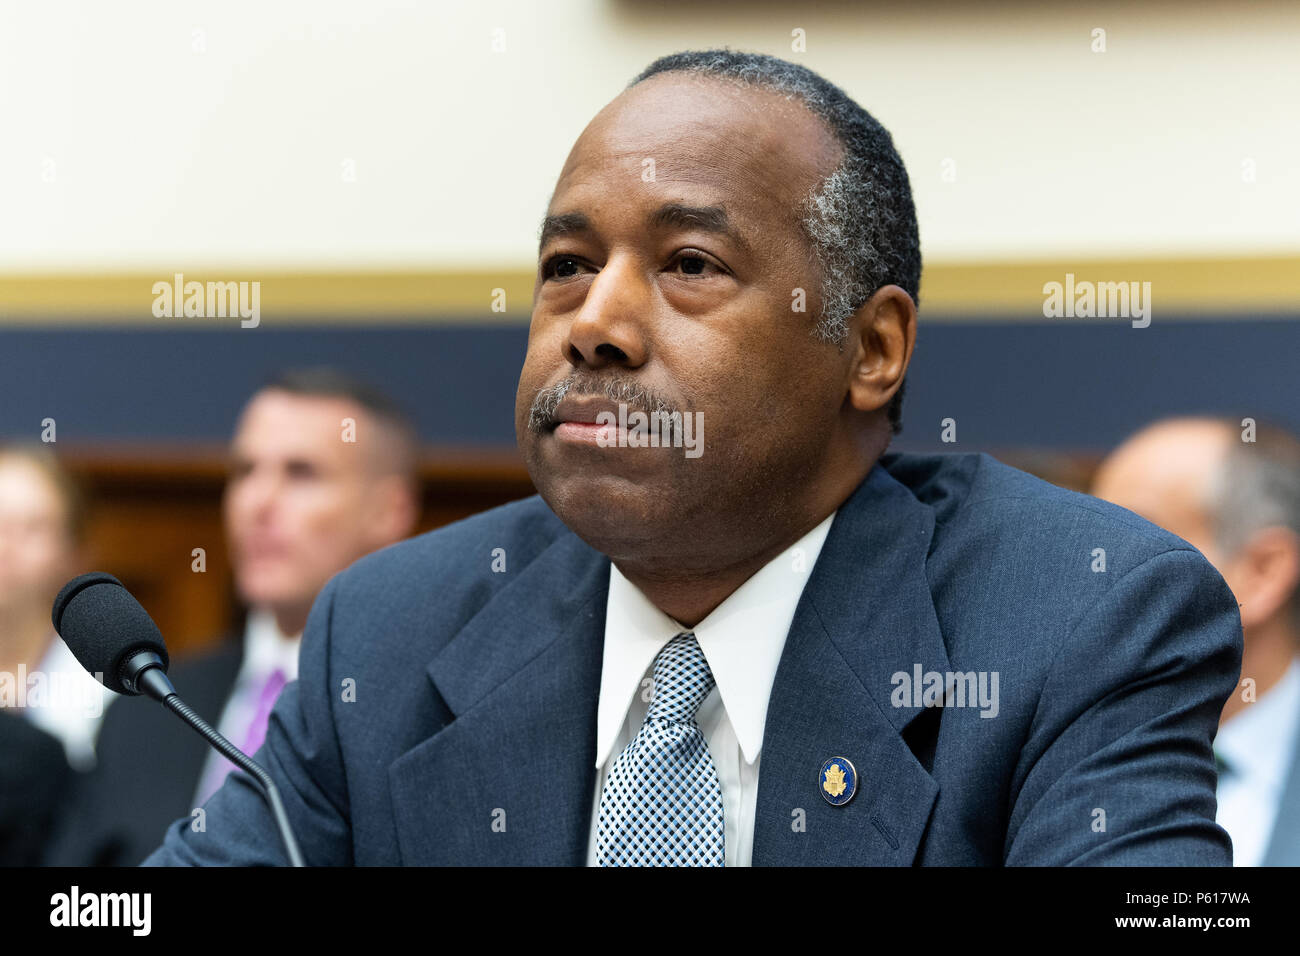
[(113, 637)]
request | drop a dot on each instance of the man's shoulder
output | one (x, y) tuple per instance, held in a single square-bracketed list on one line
[(458, 565), (218, 660), (527, 526), (978, 496), (1006, 539)]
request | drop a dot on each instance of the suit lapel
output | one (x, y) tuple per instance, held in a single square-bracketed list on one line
[(865, 614), (511, 778)]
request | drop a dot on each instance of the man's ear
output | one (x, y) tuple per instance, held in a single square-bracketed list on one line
[(882, 335), (77, 560), (395, 510), (1267, 574)]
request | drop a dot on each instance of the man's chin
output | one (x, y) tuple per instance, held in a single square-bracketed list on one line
[(268, 596), (559, 457), (602, 508), (11, 604)]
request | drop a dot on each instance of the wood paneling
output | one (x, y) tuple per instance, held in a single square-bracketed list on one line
[(151, 507)]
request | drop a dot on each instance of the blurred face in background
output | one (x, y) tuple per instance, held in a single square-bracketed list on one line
[(1168, 474), (37, 552), (302, 503), (1165, 474)]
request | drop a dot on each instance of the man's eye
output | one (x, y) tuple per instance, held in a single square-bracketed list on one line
[(693, 264), (560, 267)]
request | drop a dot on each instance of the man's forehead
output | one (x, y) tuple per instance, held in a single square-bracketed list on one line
[(24, 483), (281, 421), (732, 145), (1167, 471)]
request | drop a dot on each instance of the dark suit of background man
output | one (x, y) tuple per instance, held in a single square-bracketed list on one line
[(34, 779), (671, 657), (1238, 502), (304, 499)]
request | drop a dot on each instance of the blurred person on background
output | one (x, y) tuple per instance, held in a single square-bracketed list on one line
[(42, 522), (1238, 503), (322, 472), (50, 708)]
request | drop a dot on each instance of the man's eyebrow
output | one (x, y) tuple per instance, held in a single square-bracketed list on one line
[(712, 219), (564, 224)]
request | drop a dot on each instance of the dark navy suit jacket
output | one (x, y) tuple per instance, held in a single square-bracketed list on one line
[(445, 713)]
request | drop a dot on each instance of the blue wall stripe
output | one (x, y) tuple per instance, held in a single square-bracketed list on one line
[(1078, 385)]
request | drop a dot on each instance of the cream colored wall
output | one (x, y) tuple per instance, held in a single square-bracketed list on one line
[(218, 134)]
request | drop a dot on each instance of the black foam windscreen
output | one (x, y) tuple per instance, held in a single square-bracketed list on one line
[(103, 625)]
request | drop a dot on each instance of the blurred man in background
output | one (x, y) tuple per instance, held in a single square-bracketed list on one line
[(322, 472), (1238, 503), (42, 522)]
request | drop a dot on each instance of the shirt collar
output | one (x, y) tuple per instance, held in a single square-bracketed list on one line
[(1257, 741), (742, 640), (266, 649)]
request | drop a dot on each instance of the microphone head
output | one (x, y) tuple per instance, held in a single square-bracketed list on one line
[(103, 625)]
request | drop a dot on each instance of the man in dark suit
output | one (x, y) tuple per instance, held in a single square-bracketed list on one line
[(322, 472), (147, 771), (1232, 489), (766, 641), (34, 778)]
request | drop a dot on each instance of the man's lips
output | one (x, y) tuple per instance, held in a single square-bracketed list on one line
[(600, 435), (583, 411), (263, 550), (576, 421)]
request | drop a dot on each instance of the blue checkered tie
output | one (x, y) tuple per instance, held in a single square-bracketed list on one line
[(661, 804)]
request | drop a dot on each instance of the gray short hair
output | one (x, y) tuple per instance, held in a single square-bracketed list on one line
[(860, 221), (1257, 486), (325, 381)]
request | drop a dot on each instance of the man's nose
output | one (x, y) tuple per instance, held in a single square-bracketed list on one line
[(257, 493), (609, 329)]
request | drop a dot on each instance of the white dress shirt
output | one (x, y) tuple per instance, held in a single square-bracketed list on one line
[(1257, 744), (265, 650), (72, 704), (742, 640)]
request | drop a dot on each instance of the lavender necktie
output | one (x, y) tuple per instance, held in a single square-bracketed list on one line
[(254, 735), (266, 700)]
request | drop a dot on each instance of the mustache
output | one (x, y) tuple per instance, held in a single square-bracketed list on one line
[(619, 389)]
